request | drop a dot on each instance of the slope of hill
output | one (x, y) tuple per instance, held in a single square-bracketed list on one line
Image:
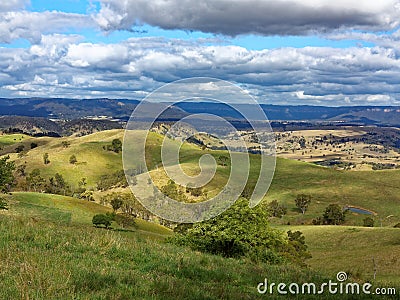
[(377, 191)]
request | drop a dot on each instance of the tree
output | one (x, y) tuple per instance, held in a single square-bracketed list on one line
[(102, 219), (21, 170), (87, 195), (368, 222), (223, 160), (6, 174), (125, 220), (116, 203), (116, 145), (333, 215), (275, 209), (46, 159), (65, 144), (34, 145), (35, 180), (302, 202), (20, 148), (57, 185), (239, 231), (72, 159), (172, 191)]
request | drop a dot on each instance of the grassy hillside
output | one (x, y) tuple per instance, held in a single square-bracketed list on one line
[(68, 211), (49, 250), (93, 160), (352, 249), (377, 191)]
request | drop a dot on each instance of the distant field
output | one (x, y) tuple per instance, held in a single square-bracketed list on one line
[(352, 250), (10, 139)]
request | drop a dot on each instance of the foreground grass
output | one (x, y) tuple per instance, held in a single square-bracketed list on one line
[(41, 260)]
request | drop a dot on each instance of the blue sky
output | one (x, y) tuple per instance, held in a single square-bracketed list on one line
[(282, 52)]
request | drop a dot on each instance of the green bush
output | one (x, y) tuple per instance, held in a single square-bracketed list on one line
[(242, 231), (102, 219), (368, 222)]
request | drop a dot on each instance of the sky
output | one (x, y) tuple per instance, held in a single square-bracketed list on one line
[(313, 52)]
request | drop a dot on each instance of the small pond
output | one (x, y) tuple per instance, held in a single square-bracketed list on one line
[(359, 210)]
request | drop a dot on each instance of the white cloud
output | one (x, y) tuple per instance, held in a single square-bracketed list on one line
[(11, 5), (31, 25), (264, 17)]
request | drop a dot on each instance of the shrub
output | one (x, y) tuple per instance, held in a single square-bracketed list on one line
[(368, 222), (242, 231), (275, 209), (102, 219), (72, 159)]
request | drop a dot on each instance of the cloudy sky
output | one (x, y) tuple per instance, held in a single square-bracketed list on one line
[(317, 52)]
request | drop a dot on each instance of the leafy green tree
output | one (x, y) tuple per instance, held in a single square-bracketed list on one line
[(116, 203), (46, 159), (72, 159), (302, 202), (333, 215), (102, 219), (116, 146), (172, 191), (125, 220), (276, 209), (297, 248), (6, 174), (369, 222), (35, 180), (34, 145), (239, 231), (58, 185)]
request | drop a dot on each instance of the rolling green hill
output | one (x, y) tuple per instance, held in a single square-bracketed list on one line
[(48, 224), (377, 191)]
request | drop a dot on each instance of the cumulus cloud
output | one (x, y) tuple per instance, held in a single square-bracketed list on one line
[(64, 66), (11, 5), (263, 17), (31, 25)]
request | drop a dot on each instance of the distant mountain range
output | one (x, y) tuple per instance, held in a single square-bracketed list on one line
[(121, 109)]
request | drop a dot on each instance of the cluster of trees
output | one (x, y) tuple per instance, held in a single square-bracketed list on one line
[(333, 215), (116, 146), (108, 181)]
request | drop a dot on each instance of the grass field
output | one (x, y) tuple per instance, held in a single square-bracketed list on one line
[(68, 210), (354, 250), (10, 139)]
